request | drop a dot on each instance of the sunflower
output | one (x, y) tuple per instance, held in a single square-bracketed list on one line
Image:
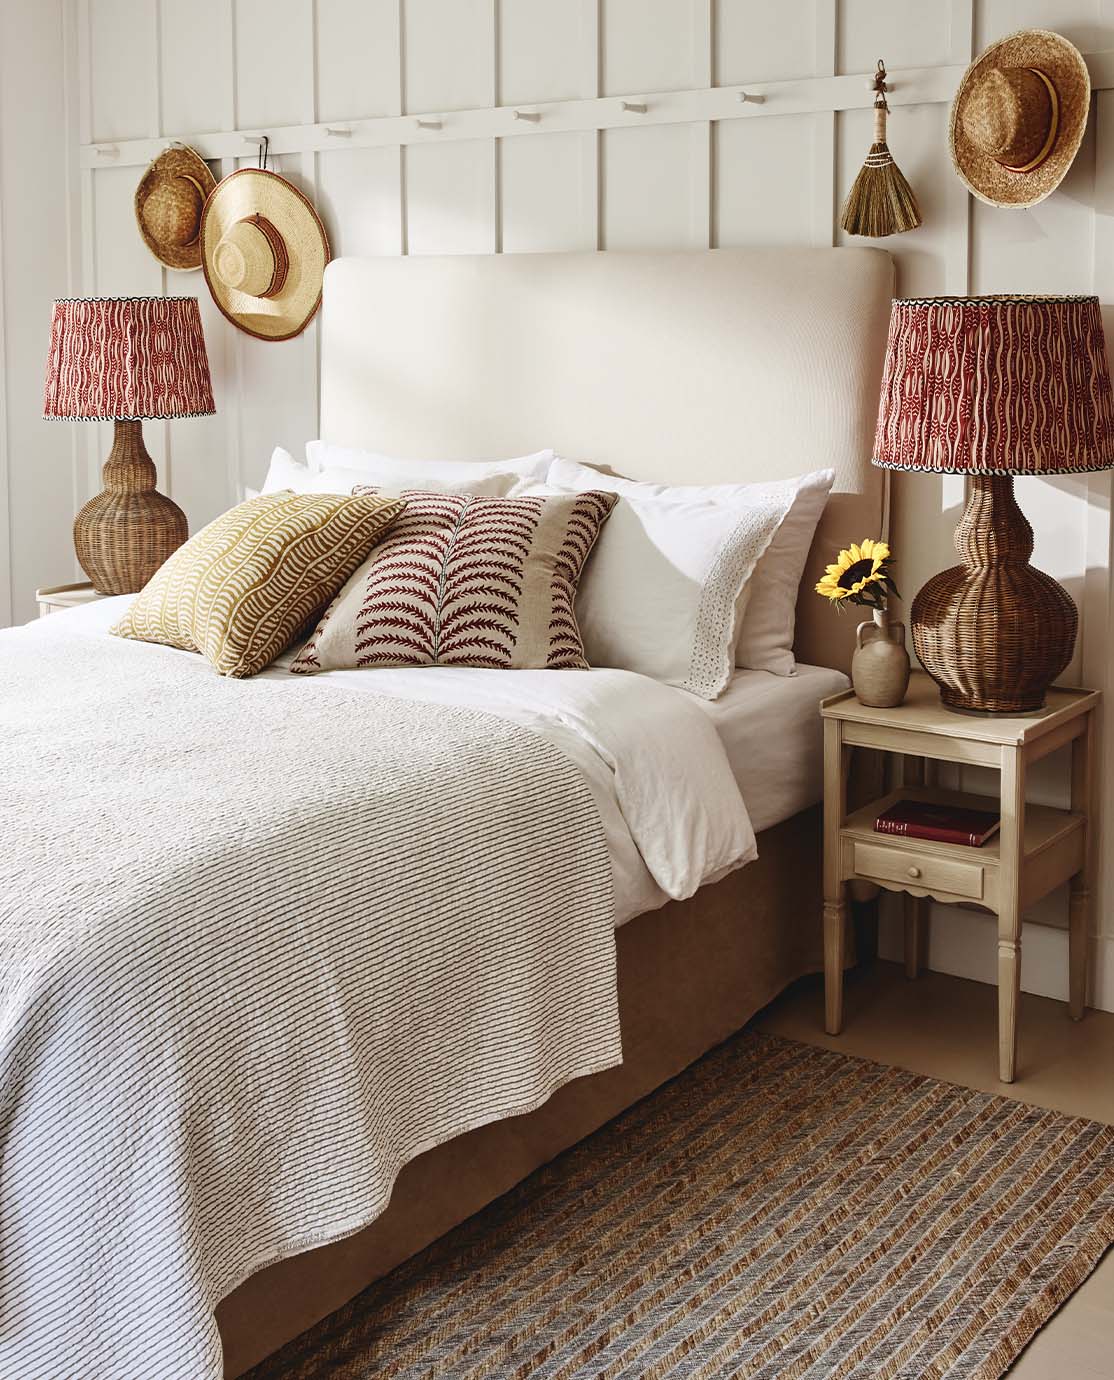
[(861, 575)]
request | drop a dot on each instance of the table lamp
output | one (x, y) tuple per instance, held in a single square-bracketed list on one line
[(126, 359), (992, 387)]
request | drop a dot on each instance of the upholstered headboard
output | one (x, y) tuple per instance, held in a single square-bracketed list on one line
[(706, 367)]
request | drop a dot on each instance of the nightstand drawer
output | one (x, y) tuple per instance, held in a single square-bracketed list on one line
[(891, 863)]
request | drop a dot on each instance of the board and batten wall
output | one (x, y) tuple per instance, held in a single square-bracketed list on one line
[(211, 71), (41, 475)]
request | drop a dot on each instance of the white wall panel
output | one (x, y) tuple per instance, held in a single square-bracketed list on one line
[(36, 457), (274, 62), (750, 48), (359, 199), (649, 180), (278, 400), (450, 198), (449, 53), (123, 67), (1042, 248), (904, 33), (548, 192), (653, 45), (196, 65), (547, 50), (755, 202), (358, 73), (1078, 20)]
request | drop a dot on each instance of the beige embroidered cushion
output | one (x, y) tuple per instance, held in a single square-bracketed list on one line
[(466, 581), (242, 589)]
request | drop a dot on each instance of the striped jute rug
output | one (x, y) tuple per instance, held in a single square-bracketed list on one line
[(778, 1211)]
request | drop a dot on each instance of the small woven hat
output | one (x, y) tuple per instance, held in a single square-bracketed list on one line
[(1018, 117), (168, 205), (264, 251)]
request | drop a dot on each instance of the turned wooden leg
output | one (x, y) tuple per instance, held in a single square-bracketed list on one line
[(1009, 994), (1009, 908), (1079, 910), (835, 926), (1079, 905), (916, 933)]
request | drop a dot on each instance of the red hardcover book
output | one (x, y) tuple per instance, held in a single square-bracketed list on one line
[(926, 819)]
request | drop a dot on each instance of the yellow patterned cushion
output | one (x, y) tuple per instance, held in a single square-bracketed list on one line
[(241, 590)]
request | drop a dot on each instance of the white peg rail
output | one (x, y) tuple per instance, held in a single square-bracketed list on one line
[(908, 86)]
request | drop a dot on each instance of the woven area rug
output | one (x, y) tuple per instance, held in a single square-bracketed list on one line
[(777, 1211)]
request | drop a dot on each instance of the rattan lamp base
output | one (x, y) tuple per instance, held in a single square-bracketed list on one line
[(127, 531), (993, 633)]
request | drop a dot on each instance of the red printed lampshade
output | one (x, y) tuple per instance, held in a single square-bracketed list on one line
[(127, 358), (996, 385)]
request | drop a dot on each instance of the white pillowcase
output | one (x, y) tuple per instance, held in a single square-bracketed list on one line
[(766, 615), (494, 477), (769, 621), (659, 594), (453, 477), (284, 472)]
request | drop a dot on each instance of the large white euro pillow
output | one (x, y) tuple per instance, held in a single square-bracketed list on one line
[(661, 591), (766, 612)]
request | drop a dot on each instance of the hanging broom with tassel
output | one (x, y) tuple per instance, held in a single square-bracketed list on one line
[(881, 202)]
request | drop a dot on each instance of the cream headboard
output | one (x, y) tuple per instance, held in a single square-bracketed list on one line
[(701, 367)]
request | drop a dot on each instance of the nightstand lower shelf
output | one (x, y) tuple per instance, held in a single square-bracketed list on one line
[(1052, 852)]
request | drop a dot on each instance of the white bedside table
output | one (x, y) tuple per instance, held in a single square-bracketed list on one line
[(1036, 850), (51, 598)]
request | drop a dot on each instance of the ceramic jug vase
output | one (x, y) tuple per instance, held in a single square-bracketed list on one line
[(880, 665)]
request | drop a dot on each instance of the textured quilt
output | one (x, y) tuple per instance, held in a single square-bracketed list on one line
[(261, 943)]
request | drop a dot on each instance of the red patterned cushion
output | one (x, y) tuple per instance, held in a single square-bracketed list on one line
[(466, 581)]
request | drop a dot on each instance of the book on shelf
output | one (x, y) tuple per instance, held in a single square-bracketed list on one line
[(942, 823)]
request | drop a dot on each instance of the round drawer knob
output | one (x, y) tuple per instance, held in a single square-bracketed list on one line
[(914, 872)]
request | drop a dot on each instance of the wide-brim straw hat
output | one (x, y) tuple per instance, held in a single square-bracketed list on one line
[(168, 205), (264, 251), (1019, 117)]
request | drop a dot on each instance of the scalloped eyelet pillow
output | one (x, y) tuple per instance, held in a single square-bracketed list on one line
[(466, 580), (665, 588), (242, 589)]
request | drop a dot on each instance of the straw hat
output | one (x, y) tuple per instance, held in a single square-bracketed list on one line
[(264, 251), (1018, 117), (168, 205)]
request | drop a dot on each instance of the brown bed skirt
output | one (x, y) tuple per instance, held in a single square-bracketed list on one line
[(690, 974)]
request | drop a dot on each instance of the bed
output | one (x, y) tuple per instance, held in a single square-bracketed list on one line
[(688, 367)]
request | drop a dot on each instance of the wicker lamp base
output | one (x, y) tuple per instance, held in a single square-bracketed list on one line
[(127, 531), (993, 633)]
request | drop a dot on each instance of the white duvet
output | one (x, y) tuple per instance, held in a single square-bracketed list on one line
[(650, 754), (263, 942)]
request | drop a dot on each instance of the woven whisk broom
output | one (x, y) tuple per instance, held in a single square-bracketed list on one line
[(881, 202)]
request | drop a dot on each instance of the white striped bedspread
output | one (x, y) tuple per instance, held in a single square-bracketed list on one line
[(262, 942)]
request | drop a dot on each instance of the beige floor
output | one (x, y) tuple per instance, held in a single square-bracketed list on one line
[(946, 1028)]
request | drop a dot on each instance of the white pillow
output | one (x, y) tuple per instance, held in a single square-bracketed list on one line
[(767, 614), (287, 473), (494, 477), (769, 620), (660, 592), (284, 472)]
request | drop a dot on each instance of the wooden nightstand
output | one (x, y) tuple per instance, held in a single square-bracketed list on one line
[(51, 598), (1037, 849)]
